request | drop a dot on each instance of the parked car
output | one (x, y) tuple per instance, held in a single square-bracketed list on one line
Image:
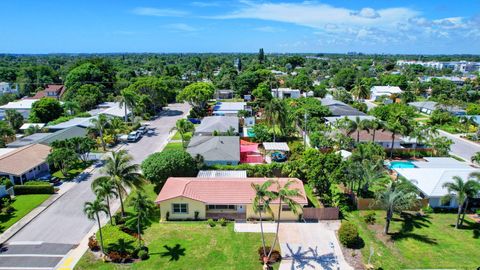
[(142, 129), (134, 136), (150, 132)]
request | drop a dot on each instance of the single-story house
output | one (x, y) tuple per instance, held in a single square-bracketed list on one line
[(379, 91), (26, 126), (25, 163), (112, 109), (384, 138), (23, 106), (286, 93), (228, 108), (428, 107), (430, 176), (219, 124), (202, 198), (333, 119), (338, 108), (83, 122), (48, 138), (223, 150), (224, 94), (221, 174)]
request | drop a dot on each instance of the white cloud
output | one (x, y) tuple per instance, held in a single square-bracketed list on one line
[(450, 23), (269, 29), (205, 4), (158, 12), (367, 13), (181, 27)]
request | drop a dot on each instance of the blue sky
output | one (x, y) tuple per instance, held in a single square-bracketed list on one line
[(421, 26)]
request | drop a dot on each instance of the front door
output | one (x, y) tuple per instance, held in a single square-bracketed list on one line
[(241, 209)]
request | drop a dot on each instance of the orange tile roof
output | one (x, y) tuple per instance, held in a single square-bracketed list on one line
[(24, 159), (220, 190)]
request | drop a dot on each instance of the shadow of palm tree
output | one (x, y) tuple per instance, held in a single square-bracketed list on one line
[(410, 223), (173, 252), (122, 246), (308, 258)]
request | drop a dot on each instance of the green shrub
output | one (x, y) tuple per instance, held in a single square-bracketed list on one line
[(477, 212), (427, 210), (348, 234), (36, 183), (223, 222), (116, 240), (211, 223), (143, 255), (6, 182), (370, 218), (33, 189)]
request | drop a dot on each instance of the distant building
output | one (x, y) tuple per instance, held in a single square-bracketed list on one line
[(339, 109), (381, 91), (224, 94), (228, 108), (428, 107), (286, 93), (6, 88), (456, 80), (52, 91), (22, 106)]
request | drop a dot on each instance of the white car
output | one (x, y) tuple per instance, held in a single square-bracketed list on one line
[(134, 136)]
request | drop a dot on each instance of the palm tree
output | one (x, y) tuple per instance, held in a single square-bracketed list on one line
[(116, 126), (395, 127), (460, 190), (71, 107), (370, 172), (360, 91), (261, 203), (99, 124), (397, 197), (276, 116), (104, 189), (123, 173), (183, 126), (420, 134), (357, 125), (476, 158), (128, 100), (284, 195), (143, 207), (92, 210), (375, 125)]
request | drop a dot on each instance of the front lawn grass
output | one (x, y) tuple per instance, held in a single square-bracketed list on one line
[(174, 146), (191, 245), (73, 172), (420, 242), (23, 204)]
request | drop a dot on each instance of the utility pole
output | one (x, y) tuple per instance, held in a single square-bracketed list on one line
[(305, 130)]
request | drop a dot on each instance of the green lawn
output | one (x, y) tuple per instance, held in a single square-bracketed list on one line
[(73, 172), (420, 242), (177, 136), (23, 204), (173, 146)]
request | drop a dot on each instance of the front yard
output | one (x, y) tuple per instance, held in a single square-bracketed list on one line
[(23, 204), (420, 242), (191, 245)]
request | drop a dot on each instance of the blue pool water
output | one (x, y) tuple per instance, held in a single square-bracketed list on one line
[(250, 132), (401, 164)]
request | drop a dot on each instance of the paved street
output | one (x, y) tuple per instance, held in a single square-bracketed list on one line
[(461, 147), (64, 221)]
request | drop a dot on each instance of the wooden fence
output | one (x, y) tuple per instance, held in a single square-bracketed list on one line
[(328, 213), (368, 204)]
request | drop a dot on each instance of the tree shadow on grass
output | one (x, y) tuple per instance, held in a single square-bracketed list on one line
[(470, 225), (173, 252), (121, 246), (410, 223)]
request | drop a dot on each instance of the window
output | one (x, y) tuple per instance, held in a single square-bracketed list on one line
[(180, 208), (221, 207), (286, 208)]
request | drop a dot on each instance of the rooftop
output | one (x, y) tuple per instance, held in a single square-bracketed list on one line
[(272, 146), (23, 159), (386, 89), (215, 148), (338, 108), (222, 174), (218, 123), (31, 139), (229, 106), (221, 190), (23, 104)]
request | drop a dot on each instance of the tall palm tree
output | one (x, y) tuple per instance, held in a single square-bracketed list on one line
[(276, 116), (420, 135), (395, 126), (357, 125), (374, 125), (360, 91), (183, 126), (460, 190), (92, 210), (104, 189), (99, 124), (397, 197), (122, 172), (286, 195), (127, 100), (370, 172), (261, 204), (143, 207)]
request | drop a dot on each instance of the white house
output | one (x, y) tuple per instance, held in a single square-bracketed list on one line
[(5, 88), (429, 177), (23, 106), (286, 93), (379, 91)]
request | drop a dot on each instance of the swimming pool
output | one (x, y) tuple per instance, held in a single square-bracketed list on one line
[(401, 164)]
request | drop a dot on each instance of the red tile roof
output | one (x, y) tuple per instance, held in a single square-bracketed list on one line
[(57, 88), (220, 190), (380, 136)]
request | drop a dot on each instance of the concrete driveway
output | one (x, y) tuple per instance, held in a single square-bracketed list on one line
[(305, 245), (64, 223)]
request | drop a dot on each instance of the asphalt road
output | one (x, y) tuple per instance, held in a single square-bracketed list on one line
[(64, 221), (460, 147)]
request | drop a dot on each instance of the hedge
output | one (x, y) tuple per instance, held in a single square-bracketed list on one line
[(33, 189)]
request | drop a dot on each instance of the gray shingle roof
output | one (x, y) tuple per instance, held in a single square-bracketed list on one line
[(214, 148), (338, 108), (217, 123)]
